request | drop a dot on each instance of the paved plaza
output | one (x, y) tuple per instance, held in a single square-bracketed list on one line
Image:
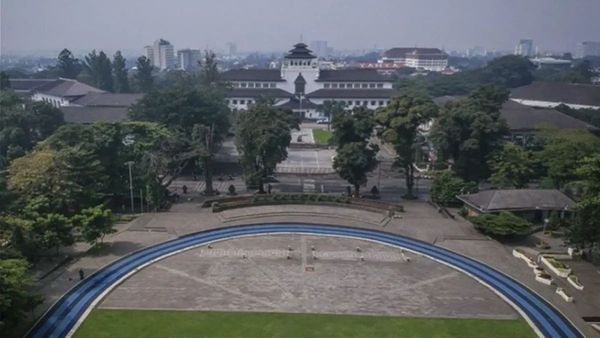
[(339, 276)]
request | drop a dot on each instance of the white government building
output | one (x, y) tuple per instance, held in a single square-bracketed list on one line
[(302, 86)]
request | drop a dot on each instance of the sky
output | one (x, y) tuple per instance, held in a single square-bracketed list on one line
[(274, 25)]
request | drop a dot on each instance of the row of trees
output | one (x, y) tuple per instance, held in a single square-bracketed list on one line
[(98, 70)]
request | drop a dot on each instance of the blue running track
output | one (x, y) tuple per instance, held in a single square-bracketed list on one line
[(63, 316)]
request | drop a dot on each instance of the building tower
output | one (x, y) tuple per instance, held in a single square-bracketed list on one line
[(524, 48), (301, 64)]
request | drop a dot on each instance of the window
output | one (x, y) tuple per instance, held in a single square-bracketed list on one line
[(234, 101), (257, 85), (357, 103), (249, 101), (380, 85), (272, 85), (373, 103), (348, 85), (334, 85), (365, 85), (243, 84), (265, 85), (250, 85), (371, 85), (342, 85), (365, 103), (242, 101), (326, 85), (381, 103), (236, 85), (357, 85)]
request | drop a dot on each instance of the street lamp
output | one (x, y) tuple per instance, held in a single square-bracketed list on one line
[(130, 164)]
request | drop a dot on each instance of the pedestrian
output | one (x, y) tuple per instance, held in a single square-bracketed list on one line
[(81, 274), (184, 188), (269, 187)]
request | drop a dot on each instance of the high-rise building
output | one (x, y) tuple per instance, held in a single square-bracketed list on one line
[(161, 54), (149, 54), (524, 48), (187, 59), (232, 48), (588, 48), (319, 47)]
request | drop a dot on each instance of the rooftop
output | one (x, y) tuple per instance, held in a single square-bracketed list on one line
[(67, 88), (518, 199), (353, 93), (108, 99), (252, 75), (352, 75), (581, 94), (401, 52), (266, 92), (300, 51), (522, 117), (88, 115)]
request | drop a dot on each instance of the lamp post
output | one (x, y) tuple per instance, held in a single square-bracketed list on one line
[(130, 164)]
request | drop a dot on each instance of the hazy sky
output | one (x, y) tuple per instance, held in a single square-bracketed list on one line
[(267, 25)]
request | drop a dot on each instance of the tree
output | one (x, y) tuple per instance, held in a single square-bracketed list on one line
[(510, 71), (354, 126), (95, 223), (143, 75), (99, 69), (332, 109), (120, 73), (4, 81), (353, 161), (68, 66), (513, 166), (562, 152), (200, 117), (446, 186), (401, 120), (263, 134), (504, 224), (23, 124), (585, 229), (15, 299), (469, 131)]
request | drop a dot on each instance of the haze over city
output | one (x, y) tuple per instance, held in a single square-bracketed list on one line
[(270, 25)]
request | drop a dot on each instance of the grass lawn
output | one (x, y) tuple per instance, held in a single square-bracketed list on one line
[(322, 136), (181, 324)]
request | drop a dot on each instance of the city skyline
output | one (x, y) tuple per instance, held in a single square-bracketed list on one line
[(34, 25)]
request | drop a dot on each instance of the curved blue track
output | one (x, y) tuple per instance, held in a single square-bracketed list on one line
[(65, 313)]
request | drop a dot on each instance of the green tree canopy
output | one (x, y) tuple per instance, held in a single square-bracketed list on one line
[(121, 79), (352, 126), (512, 167), (95, 223), (143, 75), (15, 299), (446, 186), (353, 161), (401, 119), (68, 66), (99, 70), (562, 152), (263, 133), (504, 224), (469, 131)]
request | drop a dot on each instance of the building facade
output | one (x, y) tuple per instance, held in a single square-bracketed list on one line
[(429, 59), (588, 48), (187, 59), (161, 55), (524, 48), (301, 85)]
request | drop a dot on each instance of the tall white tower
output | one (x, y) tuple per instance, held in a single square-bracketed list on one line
[(300, 60)]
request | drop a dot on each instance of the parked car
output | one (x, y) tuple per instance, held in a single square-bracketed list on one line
[(323, 121)]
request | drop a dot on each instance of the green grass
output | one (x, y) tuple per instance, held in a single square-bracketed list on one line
[(182, 324), (322, 136)]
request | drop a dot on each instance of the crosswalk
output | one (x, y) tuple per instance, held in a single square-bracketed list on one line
[(305, 170)]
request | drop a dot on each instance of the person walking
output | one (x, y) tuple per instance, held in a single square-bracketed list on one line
[(81, 274)]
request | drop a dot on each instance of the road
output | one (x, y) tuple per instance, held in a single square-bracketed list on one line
[(64, 317)]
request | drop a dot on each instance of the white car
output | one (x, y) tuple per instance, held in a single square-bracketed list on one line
[(322, 121)]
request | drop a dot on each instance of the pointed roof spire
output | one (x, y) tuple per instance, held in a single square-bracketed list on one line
[(300, 51)]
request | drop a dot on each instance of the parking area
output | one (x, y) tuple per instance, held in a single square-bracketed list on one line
[(307, 161)]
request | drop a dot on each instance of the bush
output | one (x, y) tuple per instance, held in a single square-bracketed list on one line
[(446, 185), (504, 224)]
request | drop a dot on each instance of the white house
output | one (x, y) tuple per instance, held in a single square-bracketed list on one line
[(302, 86)]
